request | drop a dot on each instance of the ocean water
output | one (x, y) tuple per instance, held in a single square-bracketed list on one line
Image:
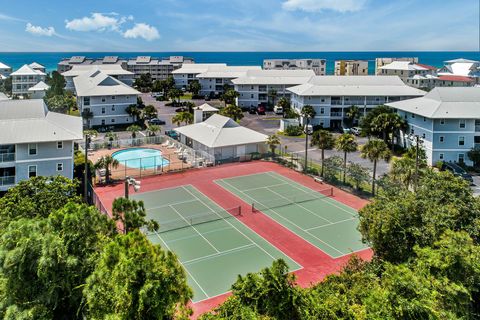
[(50, 59)]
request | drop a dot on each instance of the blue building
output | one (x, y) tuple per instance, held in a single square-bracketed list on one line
[(446, 119)]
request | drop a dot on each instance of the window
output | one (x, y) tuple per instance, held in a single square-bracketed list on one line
[(113, 97), (441, 139), (461, 141), (112, 121), (86, 101), (461, 124), (59, 166), (442, 121), (103, 122), (424, 119), (461, 157), (113, 108), (32, 171), (413, 116), (251, 96), (103, 99), (412, 131), (32, 149), (103, 110), (423, 136), (59, 144), (322, 110), (323, 100), (440, 156)]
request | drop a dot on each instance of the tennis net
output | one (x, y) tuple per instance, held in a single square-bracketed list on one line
[(299, 197), (192, 220)]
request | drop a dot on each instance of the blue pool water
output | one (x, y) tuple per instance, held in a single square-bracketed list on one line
[(144, 158)]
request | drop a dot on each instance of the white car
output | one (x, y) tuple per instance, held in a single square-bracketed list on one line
[(278, 110), (355, 130)]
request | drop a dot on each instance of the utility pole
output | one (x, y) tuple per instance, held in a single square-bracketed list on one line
[(305, 166), (85, 177), (417, 139)]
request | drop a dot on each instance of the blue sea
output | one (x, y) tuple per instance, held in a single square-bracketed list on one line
[(50, 59)]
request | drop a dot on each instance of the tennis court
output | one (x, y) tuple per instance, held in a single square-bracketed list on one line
[(311, 214), (211, 243)]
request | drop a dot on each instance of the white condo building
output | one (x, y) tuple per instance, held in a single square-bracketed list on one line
[(188, 73), (113, 70), (255, 86), (214, 80), (25, 78), (447, 120), (332, 96), (461, 68), (380, 62), (158, 68), (318, 66), (35, 141), (4, 71), (105, 97)]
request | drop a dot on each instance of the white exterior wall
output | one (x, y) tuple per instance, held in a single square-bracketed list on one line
[(253, 95), (21, 84), (108, 110)]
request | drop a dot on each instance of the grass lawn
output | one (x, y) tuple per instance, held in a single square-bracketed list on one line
[(281, 133), (186, 96)]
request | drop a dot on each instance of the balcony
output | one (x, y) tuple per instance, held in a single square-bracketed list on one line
[(7, 181), (262, 88), (336, 114), (7, 157), (336, 102)]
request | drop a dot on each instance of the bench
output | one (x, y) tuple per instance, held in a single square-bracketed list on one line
[(318, 179)]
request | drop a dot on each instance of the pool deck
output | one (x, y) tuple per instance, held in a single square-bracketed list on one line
[(175, 164)]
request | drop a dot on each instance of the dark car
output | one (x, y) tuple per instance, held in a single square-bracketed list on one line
[(207, 97), (261, 110), (156, 121), (457, 171), (252, 110), (172, 134)]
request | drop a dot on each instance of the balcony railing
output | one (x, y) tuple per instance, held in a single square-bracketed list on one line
[(7, 180), (336, 102), (7, 157), (336, 114), (477, 128)]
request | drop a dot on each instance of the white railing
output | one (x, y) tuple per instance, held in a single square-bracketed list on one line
[(6, 181), (7, 157)]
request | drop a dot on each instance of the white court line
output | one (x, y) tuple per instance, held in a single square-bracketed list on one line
[(230, 223), (290, 222), (186, 270), (171, 204), (326, 199), (194, 235), (214, 255), (201, 235), (273, 185), (331, 224)]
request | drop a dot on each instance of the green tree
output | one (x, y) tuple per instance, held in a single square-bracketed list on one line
[(382, 122), (474, 156), (134, 279), (182, 117), (397, 221), (272, 141), (272, 93), (150, 112), (175, 94), (403, 170), (347, 144), (229, 97), (133, 111), (358, 174), (308, 112), (37, 197), (107, 163), (352, 115), (324, 140), (232, 111), (57, 85), (284, 103), (6, 86), (131, 215), (153, 129), (194, 87), (144, 83), (64, 103), (332, 166), (375, 150), (134, 130)]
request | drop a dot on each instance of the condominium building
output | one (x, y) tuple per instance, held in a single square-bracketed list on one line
[(25, 78), (406, 70), (39, 90), (351, 68), (38, 67), (332, 96), (4, 71), (113, 70), (188, 73), (214, 80), (318, 66), (257, 86), (158, 68), (35, 141), (380, 62), (461, 67), (105, 98), (447, 120)]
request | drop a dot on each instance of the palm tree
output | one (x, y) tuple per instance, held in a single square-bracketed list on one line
[(182, 117), (324, 140), (352, 114), (177, 119), (133, 111), (134, 129), (374, 150), (403, 170), (232, 111), (346, 143), (272, 93), (285, 104), (111, 136), (272, 141), (153, 129), (106, 162), (87, 114)]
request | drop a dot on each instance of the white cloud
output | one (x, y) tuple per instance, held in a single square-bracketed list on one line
[(96, 22), (142, 30), (321, 5), (39, 31)]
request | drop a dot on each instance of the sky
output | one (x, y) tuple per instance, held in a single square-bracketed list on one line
[(239, 25)]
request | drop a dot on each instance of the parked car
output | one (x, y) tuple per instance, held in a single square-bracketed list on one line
[(260, 110), (156, 121), (457, 171), (252, 110), (356, 131), (278, 110), (346, 130), (207, 97), (172, 134)]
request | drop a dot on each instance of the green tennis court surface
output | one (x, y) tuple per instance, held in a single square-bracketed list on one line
[(212, 245), (311, 214)]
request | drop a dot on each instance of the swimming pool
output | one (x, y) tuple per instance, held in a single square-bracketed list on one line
[(144, 158)]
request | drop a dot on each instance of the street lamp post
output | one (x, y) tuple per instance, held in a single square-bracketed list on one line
[(307, 132), (85, 177), (129, 181)]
